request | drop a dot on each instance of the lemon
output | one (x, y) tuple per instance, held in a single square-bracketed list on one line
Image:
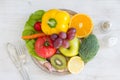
[(75, 65)]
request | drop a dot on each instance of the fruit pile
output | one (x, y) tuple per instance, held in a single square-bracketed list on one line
[(62, 42)]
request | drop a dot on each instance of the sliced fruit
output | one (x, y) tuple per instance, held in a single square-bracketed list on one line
[(73, 48), (75, 65), (83, 25), (58, 62)]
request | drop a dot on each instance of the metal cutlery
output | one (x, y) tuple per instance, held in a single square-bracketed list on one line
[(16, 55), (21, 52)]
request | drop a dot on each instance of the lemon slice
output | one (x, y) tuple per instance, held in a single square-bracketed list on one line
[(75, 65)]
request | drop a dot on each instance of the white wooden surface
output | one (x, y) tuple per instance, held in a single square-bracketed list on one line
[(105, 66)]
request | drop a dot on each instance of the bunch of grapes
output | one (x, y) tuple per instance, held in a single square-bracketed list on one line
[(62, 39)]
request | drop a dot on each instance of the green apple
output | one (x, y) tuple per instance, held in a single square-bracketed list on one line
[(72, 50)]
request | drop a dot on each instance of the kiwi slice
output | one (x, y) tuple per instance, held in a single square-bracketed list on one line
[(58, 61)]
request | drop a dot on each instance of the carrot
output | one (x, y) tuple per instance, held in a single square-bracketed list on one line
[(33, 36)]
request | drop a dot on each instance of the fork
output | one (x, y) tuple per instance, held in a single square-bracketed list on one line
[(15, 54), (20, 47)]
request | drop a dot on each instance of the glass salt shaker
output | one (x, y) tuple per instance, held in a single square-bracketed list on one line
[(110, 39), (105, 26)]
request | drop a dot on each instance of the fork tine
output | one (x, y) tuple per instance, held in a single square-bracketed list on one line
[(21, 51), (20, 48)]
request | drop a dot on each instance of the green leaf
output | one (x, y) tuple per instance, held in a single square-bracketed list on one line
[(27, 32), (33, 53), (31, 22), (30, 44), (37, 15), (39, 12), (28, 27)]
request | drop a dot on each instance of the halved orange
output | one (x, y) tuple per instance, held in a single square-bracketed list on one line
[(83, 25)]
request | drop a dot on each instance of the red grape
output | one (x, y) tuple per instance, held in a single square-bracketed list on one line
[(37, 26), (65, 44), (71, 33), (54, 37), (70, 36), (62, 35), (71, 30), (57, 43)]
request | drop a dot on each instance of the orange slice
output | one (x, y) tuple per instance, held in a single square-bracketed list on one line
[(83, 25)]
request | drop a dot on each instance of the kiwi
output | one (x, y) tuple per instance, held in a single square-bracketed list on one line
[(58, 61)]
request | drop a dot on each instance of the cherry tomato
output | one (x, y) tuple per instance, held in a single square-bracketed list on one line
[(37, 26)]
